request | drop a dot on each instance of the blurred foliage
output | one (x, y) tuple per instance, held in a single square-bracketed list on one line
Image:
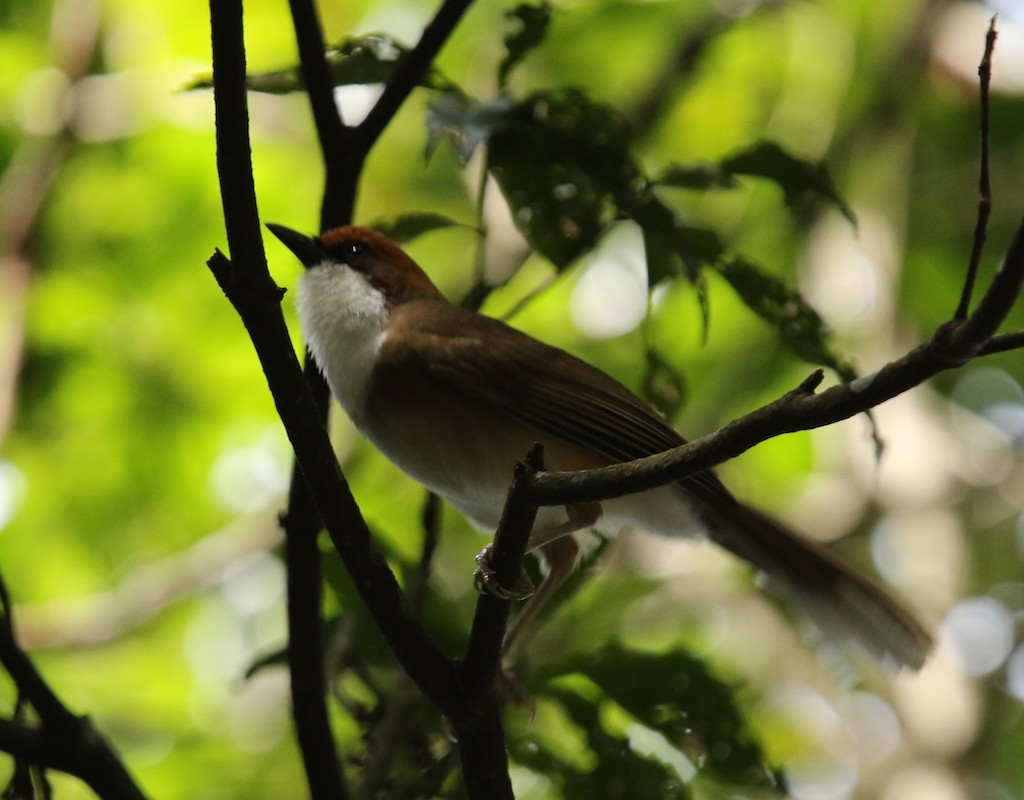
[(142, 466)]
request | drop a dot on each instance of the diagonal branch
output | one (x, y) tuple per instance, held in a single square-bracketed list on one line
[(953, 345), (63, 741), (410, 71)]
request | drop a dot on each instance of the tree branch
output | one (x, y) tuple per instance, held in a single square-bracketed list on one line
[(483, 653), (342, 160), (254, 295), (410, 71), (984, 179), (953, 345), (64, 741), (254, 289)]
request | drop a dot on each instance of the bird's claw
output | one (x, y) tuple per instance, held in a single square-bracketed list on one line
[(486, 581)]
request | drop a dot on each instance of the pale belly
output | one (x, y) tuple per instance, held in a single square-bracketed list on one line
[(469, 461)]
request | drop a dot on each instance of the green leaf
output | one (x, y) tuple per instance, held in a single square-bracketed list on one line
[(562, 161), (800, 326), (678, 696), (406, 227), (619, 770), (366, 59), (531, 26), (800, 180)]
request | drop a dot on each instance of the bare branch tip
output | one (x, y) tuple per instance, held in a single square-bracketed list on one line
[(811, 382), (535, 458)]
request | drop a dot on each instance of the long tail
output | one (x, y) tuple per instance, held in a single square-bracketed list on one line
[(840, 601)]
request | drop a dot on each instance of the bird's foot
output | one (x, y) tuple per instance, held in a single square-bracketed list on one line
[(486, 581)]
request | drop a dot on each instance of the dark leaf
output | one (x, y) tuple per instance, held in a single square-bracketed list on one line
[(562, 162), (619, 771), (531, 25), (406, 227), (799, 180), (668, 243), (697, 176), (672, 248), (275, 658), (678, 696), (661, 232), (664, 385), (802, 330)]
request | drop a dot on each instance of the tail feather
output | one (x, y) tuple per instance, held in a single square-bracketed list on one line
[(841, 602)]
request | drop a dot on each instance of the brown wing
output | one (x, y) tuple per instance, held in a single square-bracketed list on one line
[(544, 387)]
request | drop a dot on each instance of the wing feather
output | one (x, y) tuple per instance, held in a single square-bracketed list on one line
[(544, 387)]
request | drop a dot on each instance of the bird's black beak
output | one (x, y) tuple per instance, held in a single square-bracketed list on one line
[(307, 249)]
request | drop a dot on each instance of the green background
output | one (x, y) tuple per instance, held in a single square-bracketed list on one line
[(142, 466)]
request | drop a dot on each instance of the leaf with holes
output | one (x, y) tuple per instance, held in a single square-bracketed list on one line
[(563, 163)]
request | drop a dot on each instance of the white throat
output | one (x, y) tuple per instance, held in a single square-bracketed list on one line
[(343, 318)]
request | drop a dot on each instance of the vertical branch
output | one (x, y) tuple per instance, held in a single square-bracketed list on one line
[(984, 179), (238, 194), (342, 161)]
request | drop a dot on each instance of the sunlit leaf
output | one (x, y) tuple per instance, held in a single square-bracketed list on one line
[(531, 25), (619, 772)]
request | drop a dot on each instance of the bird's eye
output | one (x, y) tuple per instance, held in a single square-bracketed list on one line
[(352, 250)]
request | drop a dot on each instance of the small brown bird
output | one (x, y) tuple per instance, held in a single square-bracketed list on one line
[(455, 398)]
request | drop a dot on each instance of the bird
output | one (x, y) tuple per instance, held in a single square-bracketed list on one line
[(455, 398)]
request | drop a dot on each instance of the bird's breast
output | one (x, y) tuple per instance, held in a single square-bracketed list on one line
[(343, 321)]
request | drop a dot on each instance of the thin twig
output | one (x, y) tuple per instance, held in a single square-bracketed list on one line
[(410, 71), (984, 178), (1003, 343)]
